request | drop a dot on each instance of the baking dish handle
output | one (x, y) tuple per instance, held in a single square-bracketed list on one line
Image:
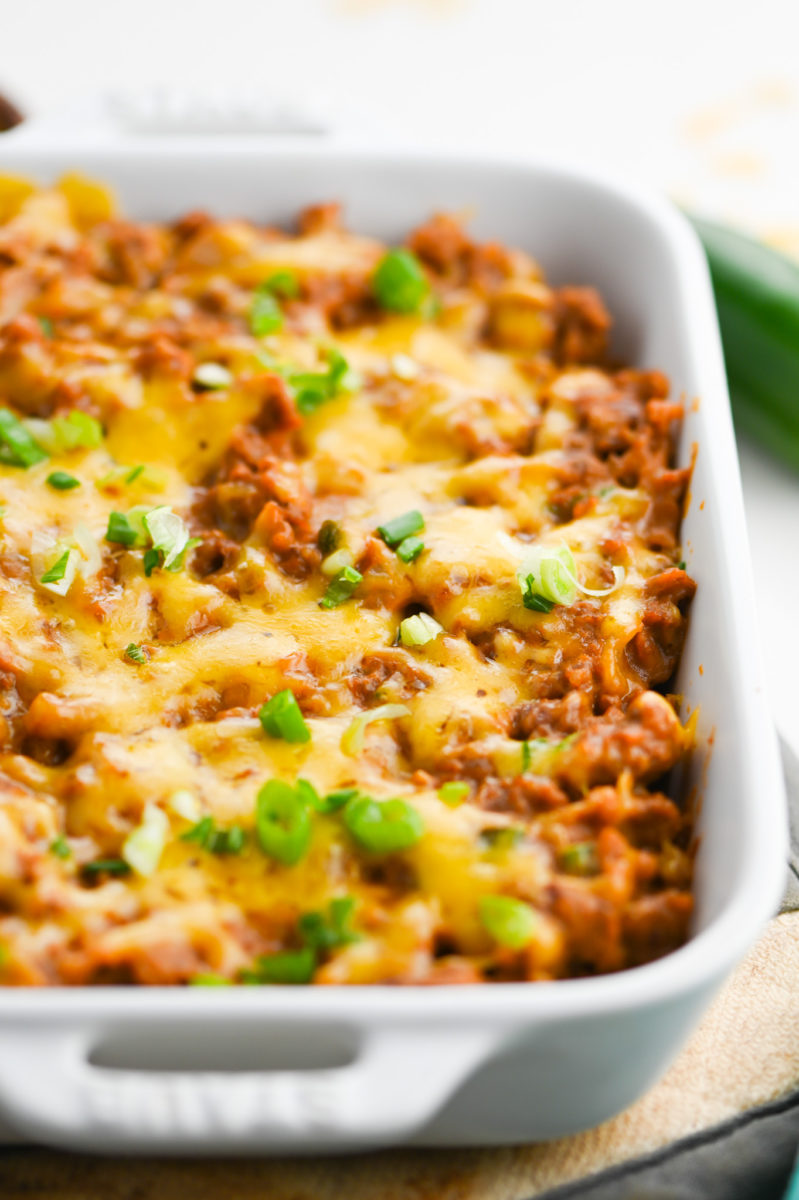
[(50, 1091)]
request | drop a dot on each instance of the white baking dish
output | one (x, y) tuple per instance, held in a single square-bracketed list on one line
[(291, 1069)]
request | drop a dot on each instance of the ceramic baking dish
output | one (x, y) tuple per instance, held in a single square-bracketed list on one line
[(301, 1070)]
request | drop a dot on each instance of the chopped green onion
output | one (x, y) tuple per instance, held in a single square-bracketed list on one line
[(206, 834), (60, 575), (328, 537), (120, 531), (281, 717), (201, 833), (153, 478), (681, 565), (409, 549), (383, 827), (534, 601), (399, 528), (328, 931), (312, 393), (314, 388), (46, 326), (227, 841), (135, 653), (341, 587), (579, 859), (548, 577), (283, 822), (211, 377), (62, 481), (501, 839), (150, 561), (352, 740), (184, 803), (336, 561), (143, 847), (284, 284), (266, 315), (539, 754), (111, 866), (59, 569), (544, 578), (169, 536), (454, 792), (509, 922), (308, 794), (76, 431), (341, 377), (17, 446), (60, 847), (288, 966), (419, 630), (209, 979), (334, 800), (399, 283)]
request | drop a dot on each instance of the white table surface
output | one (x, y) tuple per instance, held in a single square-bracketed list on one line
[(697, 97)]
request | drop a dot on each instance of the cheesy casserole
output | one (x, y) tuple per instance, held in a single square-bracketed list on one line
[(340, 589)]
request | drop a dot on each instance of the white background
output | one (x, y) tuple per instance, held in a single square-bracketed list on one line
[(696, 97)]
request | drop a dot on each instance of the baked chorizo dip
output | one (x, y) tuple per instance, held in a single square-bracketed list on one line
[(340, 589)]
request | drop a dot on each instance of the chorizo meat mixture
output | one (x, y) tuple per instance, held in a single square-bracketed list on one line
[(340, 586)]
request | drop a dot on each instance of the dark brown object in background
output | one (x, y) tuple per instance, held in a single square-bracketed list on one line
[(9, 114)]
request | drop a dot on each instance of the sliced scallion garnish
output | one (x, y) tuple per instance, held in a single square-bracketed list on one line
[(217, 841), (548, 576), (285, 284), (312, 389), (107, 866), (409, 549), (352, 741), (62, 481), (328, 538), (185, 804), (287, 966), (169, 536), (454, 792), (399, 528), (579, 859), (266, 315), (283, 822), (18, 447), (399, 283), (336, 561), (324, 931), (281, 717), (510, 922), (419, 630), (341, 587), (59, 578), (383, 827), (143, 847)]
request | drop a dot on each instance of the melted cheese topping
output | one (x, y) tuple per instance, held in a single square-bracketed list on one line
[(484, 417)]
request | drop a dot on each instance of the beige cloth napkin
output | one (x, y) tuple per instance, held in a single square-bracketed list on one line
[(745, 1053)]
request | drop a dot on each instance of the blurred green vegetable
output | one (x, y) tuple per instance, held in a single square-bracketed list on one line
[(757, 296)]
